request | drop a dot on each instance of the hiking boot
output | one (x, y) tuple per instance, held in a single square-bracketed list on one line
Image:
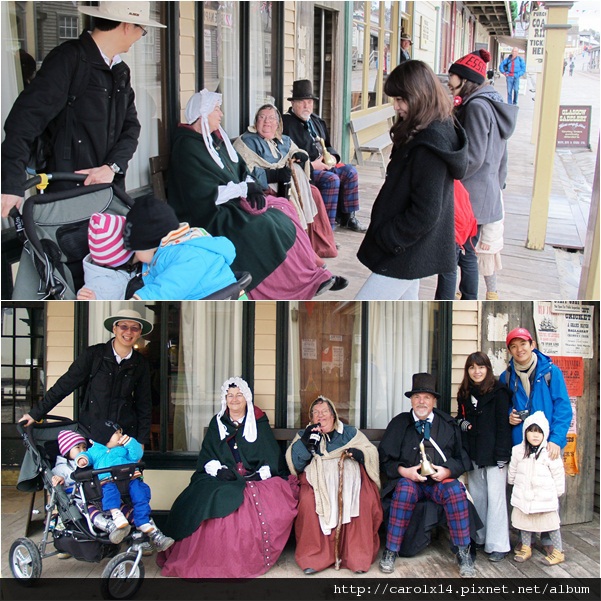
[(387, 561), (555, 558), (350, 222), (466, 563), (116, 535), (524, 553), (159, 541), (492, 296)]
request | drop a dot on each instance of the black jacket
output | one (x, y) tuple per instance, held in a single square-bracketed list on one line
[(116, 392), (400, 447), (412, 229), (489, 440), (100, 127), (298, 130)]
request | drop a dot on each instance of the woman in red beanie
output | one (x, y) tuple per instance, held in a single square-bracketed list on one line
[(488, 123)]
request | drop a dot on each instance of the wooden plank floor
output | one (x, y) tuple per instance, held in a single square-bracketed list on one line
[(581, 545)]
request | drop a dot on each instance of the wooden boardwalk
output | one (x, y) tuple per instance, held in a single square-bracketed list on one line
[(581, 546), (549, 274)]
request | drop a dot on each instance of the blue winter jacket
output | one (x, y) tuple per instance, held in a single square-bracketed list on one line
[(548, 393), (519, 68), (100, 456), (189, 270)]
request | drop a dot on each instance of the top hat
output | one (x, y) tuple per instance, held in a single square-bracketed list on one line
[(302, 89), (137, 13), (423, 383), (128, 315)]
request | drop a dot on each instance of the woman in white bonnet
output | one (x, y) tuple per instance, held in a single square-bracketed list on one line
[(210, 186), (235, 517)]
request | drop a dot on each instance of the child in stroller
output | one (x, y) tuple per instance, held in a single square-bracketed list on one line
[(112, 448), (70, 445), (77, 536)]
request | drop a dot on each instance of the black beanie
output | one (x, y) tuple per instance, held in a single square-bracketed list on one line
[(103, 431), (472, 66), (147, 223)]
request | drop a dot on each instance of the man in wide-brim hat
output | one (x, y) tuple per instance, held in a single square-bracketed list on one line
[(406, 44), (88, 130), (400, 459), (338, 183), (117, 379)]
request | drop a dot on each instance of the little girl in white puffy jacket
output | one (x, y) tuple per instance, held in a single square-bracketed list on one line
[(538, 482)]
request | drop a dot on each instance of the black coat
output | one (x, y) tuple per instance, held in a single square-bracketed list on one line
[(412, 229), (400, 447), (119, 392), (101, 127), (298, 130), (489, 440)]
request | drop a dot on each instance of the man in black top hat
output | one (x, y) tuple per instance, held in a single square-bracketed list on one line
[(400, 458), (337, 182)]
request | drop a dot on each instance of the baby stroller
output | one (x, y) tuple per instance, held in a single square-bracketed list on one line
[(68, 524), (54, 231)]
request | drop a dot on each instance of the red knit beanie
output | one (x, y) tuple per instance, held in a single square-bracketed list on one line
[(472, 66)]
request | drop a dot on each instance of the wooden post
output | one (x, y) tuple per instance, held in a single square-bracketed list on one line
[(555, 40)]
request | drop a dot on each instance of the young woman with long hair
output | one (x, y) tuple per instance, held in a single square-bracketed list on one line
[(412, 230)]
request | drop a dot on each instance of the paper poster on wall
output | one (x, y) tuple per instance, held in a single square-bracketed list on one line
[(573, 373), (570, 456), (565, 333), (309, 348), (573, 429)]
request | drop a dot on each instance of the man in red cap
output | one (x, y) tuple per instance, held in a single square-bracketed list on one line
[(536, 385)]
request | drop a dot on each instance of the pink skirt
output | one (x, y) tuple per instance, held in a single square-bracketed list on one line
[(244, 544), (301, 273)]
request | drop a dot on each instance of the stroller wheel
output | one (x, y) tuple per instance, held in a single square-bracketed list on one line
[(118, 581), (25, 561)]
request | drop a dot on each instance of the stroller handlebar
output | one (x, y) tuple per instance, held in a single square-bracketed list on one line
[(118, 472), (60, 176)]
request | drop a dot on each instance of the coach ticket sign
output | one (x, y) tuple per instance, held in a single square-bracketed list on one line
[(574, 127)]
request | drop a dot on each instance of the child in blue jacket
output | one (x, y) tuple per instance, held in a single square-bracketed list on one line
[(179, 262), (111, 448)]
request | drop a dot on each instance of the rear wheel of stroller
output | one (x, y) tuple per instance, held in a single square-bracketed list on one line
[(25, 561), (116, 582)]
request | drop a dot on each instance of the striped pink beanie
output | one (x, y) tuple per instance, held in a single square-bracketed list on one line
[(67, 439), (105, 239)]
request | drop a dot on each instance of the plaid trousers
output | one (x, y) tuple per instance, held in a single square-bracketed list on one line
[(450, 494), (338, 184)]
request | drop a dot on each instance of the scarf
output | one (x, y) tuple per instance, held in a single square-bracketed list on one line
[(524, 373)]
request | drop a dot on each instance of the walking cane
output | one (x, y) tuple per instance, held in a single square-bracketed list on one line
[(337, 557), (296, 184)]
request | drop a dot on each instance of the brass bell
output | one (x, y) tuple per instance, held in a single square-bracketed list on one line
[(426, 469)]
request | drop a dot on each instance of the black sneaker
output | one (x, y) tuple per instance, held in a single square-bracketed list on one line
[(340, 283), (387, 561), (350, 222)]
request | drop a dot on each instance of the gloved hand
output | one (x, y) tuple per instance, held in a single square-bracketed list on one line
[(357, 455), (278, 176), (225, 474), (301, 157), (252, 477), (255, 196), (307, 433), (464, 425), (501, 464)]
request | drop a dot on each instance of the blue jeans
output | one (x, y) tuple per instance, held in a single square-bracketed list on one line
[(467, 260), (513, 89)]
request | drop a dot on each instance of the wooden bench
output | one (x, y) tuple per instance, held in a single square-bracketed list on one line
[(377, 145), (158, 169)]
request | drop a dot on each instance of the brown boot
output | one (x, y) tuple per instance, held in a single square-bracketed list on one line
[(523, 554), (555, 558)]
